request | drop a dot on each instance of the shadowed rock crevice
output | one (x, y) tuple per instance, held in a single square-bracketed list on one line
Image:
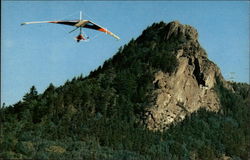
[(198, 74)]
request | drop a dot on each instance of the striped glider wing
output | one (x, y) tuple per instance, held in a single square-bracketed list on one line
[(71, 23), (78, 23), (92, 25)]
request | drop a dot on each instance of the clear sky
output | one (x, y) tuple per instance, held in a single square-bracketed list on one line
[(40, 54)]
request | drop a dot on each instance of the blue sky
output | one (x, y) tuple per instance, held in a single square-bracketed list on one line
[(40, 54)]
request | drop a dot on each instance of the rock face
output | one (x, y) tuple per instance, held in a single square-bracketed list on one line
[(189, 88)]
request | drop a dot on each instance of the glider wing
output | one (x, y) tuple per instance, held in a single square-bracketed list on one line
[(92, 25), (71, 23), (78, 23)]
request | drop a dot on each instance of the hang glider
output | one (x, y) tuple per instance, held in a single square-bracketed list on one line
[(79, 24)]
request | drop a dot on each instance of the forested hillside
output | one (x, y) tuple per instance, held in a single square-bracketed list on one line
[(103, 115)]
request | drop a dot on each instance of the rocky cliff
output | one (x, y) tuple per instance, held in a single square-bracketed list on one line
[(189, 88)]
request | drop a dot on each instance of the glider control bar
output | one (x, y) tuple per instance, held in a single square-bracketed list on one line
[(73, 30)]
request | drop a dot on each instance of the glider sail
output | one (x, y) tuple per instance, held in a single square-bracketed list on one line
[(79, 24)]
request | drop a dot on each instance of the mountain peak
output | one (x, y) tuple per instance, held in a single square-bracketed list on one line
[(180, 31), (178, 71), (191, 85), (171, 31)]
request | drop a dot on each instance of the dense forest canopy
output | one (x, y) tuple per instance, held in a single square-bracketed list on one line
[(101, 116)]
